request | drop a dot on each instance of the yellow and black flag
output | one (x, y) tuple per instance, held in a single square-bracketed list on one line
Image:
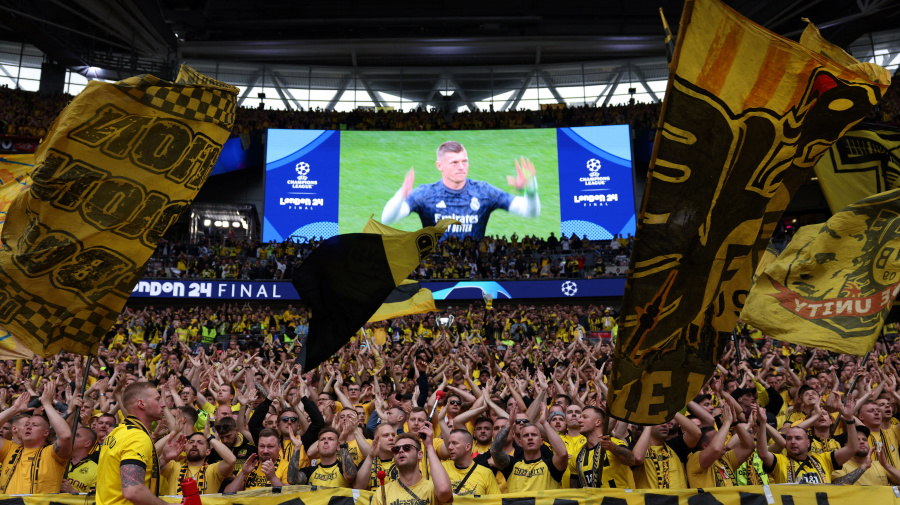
[(348, 277), (747, 115), (834, 284), (118, 166), (864, 162), (407, 298)]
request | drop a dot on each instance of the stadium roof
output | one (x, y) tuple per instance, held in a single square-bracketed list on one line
[(519, 42)]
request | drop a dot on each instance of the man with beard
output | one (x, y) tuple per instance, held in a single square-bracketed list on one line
[(861, 470), (209, 476), (336, 467), (380, 458), (530, 470), (466, 477), (659, 463), (411, 486), (266, 468), (484, 435), (602, 461), (798, 466), (870, 413)]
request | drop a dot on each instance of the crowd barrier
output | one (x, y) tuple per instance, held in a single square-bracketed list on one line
[(746, 495)]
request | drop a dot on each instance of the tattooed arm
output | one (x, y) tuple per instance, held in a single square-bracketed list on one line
[(133, 487), (348, 467), (851, 477), (501, 459), (294, 475)]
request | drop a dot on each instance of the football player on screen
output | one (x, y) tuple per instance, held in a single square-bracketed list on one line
[(457, 197)]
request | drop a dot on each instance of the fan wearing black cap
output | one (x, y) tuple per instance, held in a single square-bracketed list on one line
[(861, 469)]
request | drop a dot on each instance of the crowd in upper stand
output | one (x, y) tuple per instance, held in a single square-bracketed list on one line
[(30, 114), (492, 258)]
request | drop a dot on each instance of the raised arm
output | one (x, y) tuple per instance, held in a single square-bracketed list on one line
[(716, 447), (63, 444)]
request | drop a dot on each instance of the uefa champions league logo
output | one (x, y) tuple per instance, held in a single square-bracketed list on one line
[(302, 170), (593, 165), (302, 181), (569, 288)]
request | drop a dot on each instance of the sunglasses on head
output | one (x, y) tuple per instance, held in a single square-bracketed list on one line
[(290, 419), (521, 421), (397, 449)]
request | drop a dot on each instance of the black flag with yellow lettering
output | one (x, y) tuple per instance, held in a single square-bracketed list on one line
[(835, 283), (347, 278), (747, 114), (118, 166)]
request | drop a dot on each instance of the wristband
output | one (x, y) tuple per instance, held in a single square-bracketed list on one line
[(344, 446), (852, 421), (209, 439)]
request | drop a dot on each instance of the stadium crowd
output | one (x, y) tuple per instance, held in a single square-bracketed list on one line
[(520, 394), (30, 114), (527, 257)]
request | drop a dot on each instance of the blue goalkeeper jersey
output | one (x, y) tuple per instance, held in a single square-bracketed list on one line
[(472, 206)]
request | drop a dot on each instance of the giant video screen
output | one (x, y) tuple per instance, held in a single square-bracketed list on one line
[(495, 182)]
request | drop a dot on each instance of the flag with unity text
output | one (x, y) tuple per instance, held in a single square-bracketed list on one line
[(834, 284), (118, 166), (747, 115)]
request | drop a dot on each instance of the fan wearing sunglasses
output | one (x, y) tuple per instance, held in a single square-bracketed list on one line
[(336, 468), (411, 486)]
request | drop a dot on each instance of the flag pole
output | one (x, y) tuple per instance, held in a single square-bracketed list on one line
[(850, 389), (87, 372)]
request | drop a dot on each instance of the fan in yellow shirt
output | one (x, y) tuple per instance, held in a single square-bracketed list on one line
[(612, 466), (714, 465), (411, 486), (466, 477), (209, 477)]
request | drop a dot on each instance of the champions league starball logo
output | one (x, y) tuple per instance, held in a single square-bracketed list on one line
[(593, 177), (302, 170), (569, 288), (302, 181)]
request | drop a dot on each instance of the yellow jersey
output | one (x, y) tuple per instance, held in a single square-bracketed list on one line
[(662, 470), (396, 494), (532, 475), (722, 473), (208, 477), (127, 443), (480, 481), (816, 469), (258, 479), (83, 475), (615, 474), (30, 471), (326, 475)]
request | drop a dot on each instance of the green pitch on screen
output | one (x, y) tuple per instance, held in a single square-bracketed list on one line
[(373, 165)]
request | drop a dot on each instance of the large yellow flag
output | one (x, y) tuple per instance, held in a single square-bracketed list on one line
[(834, 284), (864, 162), (119, 165), (747, 115)]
